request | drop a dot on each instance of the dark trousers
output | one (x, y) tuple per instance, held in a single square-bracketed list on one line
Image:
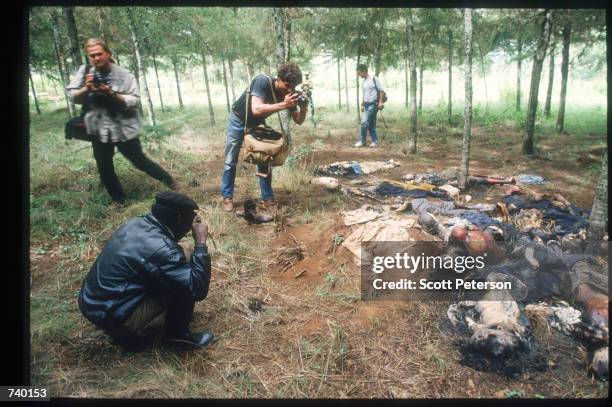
[(132, 150)]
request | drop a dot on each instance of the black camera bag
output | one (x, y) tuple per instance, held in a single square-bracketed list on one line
[(75, 127)]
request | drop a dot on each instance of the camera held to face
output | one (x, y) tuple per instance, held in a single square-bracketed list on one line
[(302, 99), (100, 79)]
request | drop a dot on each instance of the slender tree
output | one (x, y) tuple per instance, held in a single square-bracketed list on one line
[(139, 66), (567, 33), (210, 107), (346, 87), (339, 86), (230, 65), (178, 85), (161, 99), (412, 142), (61, 64), (227, 101), (467, 111), (75, 51), (33, 92), (599, 211), (536, 71), (551, 75), (280, 30), (519, 62)]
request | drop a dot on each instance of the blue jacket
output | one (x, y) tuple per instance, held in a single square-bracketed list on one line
[(141, 259)]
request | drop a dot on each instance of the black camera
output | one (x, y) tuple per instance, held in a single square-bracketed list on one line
[(302, 99), (100, 79)]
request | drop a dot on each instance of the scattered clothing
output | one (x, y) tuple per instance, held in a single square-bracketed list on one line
[(387, 189), (530, 179), (423, 205), (363, 214)]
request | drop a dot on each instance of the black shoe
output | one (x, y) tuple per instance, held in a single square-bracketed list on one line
[(133, 343), (193, 339)]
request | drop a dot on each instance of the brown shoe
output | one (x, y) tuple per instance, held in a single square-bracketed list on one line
[(270, 204), (228, 204)]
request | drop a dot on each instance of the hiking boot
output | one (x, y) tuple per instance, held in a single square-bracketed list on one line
[(358, 144), (374, 144), (228, 204), (193, 339)]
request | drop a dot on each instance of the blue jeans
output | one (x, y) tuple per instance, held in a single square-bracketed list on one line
[(235, 136), (368, 121)]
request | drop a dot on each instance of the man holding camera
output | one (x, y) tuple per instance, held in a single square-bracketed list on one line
[(110, 96), (142, 272), (262, 104), (373, 101)]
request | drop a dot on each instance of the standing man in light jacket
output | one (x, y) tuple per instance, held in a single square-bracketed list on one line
[(373, 101), (110, 95)]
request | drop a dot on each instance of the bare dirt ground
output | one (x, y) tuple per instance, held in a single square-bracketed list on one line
[(303, 330)]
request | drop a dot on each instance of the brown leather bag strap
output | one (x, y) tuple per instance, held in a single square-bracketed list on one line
[(277, 113)]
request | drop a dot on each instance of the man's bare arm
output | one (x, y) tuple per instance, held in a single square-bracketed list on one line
[(261, 109)]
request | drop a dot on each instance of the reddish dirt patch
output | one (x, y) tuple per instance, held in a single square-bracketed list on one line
[(317, 257)]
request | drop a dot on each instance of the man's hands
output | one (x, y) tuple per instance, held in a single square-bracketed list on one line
[(381, 105), (199, 231), (291, 100)]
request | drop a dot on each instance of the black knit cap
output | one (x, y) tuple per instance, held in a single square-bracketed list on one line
[(169, 204)]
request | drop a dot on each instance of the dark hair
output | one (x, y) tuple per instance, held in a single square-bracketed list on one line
[(362, 68), (290, 72)]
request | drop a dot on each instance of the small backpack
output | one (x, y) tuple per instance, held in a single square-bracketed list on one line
[(376, 87)]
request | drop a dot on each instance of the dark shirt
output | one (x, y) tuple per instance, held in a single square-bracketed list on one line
[(260, 87)]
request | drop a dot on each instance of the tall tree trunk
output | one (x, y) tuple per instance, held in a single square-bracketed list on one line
[(410, 38), (519, 61), (567, 32), (551, 75), (450, 76), (346, 87), (161, 99), (536, 71), (34, 92), (280, 30), (101, 24), (210, 107), (63, 71), (421, 89), (288, 35), (357, 80), (225, 85), (467, 111), (378, 55), (231, 71), (406, 71), (134, 68), (484, 77), (599, 211), (339, 86), (140, 67), (116, 57), (178, 85), (73, 37)]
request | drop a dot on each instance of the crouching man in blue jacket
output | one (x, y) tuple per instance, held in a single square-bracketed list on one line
[(142, 272)]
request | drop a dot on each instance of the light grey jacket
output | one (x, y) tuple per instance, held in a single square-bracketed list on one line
[(97, 120)]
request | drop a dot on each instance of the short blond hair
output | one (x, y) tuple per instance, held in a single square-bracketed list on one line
[(92, 42)]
